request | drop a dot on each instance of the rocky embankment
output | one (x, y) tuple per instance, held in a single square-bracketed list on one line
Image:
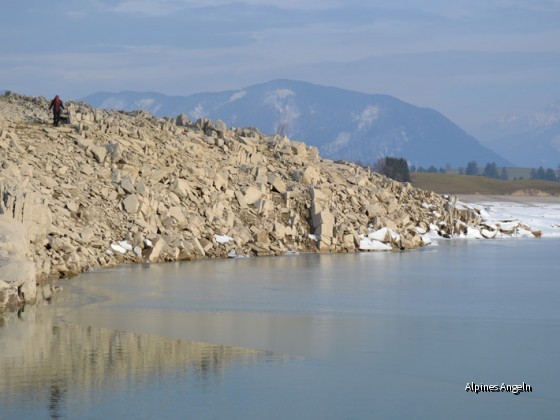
[(112, 187)]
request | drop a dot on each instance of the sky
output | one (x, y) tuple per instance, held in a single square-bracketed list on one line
[(472, 60)]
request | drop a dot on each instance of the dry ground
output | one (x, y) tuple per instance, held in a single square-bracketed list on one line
[(463, 184)]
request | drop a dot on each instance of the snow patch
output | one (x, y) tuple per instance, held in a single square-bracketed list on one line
[(384, 235), (121, 247), (342, 140), (198, 112), (279, 94), (114, 103), (223, 239), (232, 254), (289, 112), (426, 239), (517, 220), (368, 244), (118, 248), (125, 245), (237, 95), (473, 233), (404, 136), (144, 103), (368, 116)]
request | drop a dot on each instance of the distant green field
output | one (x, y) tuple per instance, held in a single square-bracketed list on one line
[(512, 172), (463, 184)]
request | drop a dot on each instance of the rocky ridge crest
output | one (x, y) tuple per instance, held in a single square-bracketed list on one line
[(114, 187)]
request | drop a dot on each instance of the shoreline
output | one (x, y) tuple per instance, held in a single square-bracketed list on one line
[(112, 187)]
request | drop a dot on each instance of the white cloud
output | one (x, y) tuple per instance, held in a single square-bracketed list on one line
[(156, 8), (296, 4), (189, 60), (147, 7)]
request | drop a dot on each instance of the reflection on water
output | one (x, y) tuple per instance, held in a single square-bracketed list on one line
[(394, 335), (43, 358)]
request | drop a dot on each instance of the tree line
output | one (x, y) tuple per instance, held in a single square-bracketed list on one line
[(547, 175), (490, 170), (398, 169)]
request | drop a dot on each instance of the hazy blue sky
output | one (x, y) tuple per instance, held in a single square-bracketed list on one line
[(470, 59)]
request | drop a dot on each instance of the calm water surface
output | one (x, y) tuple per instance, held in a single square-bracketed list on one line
[(376, 335)]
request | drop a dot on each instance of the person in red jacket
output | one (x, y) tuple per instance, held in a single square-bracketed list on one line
[(56, 105)]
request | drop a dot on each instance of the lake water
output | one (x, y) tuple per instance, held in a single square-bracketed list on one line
[(356, 336)]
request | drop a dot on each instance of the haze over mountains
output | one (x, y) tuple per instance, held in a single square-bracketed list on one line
[(343, 124), (530, 139)]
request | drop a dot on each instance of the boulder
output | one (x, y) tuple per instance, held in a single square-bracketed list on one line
[(183, 120), (99, 153), (87, 235), (180, 187), (262, 237), (310, 176), (16, 270), (277, 184), (114, 151), (376, 209), (131, 203), (127, 186), (220, 181), (36, 216), (153, 254), (252, 194)]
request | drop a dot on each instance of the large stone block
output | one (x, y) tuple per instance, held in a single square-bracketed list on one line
[(277, 184), (299, 148), (262, 237), (279, 231), (252, 194), (37, 216), (180, 187), (177, 213), (323, 217), (376, 209), (153, 254), (21, 276), (392, 206), (325, 230), (310, 176), (220, 181), (99, 153), (131, 203)]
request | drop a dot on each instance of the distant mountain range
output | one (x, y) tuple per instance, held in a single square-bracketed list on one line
[(343, 124), (530, 140)]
